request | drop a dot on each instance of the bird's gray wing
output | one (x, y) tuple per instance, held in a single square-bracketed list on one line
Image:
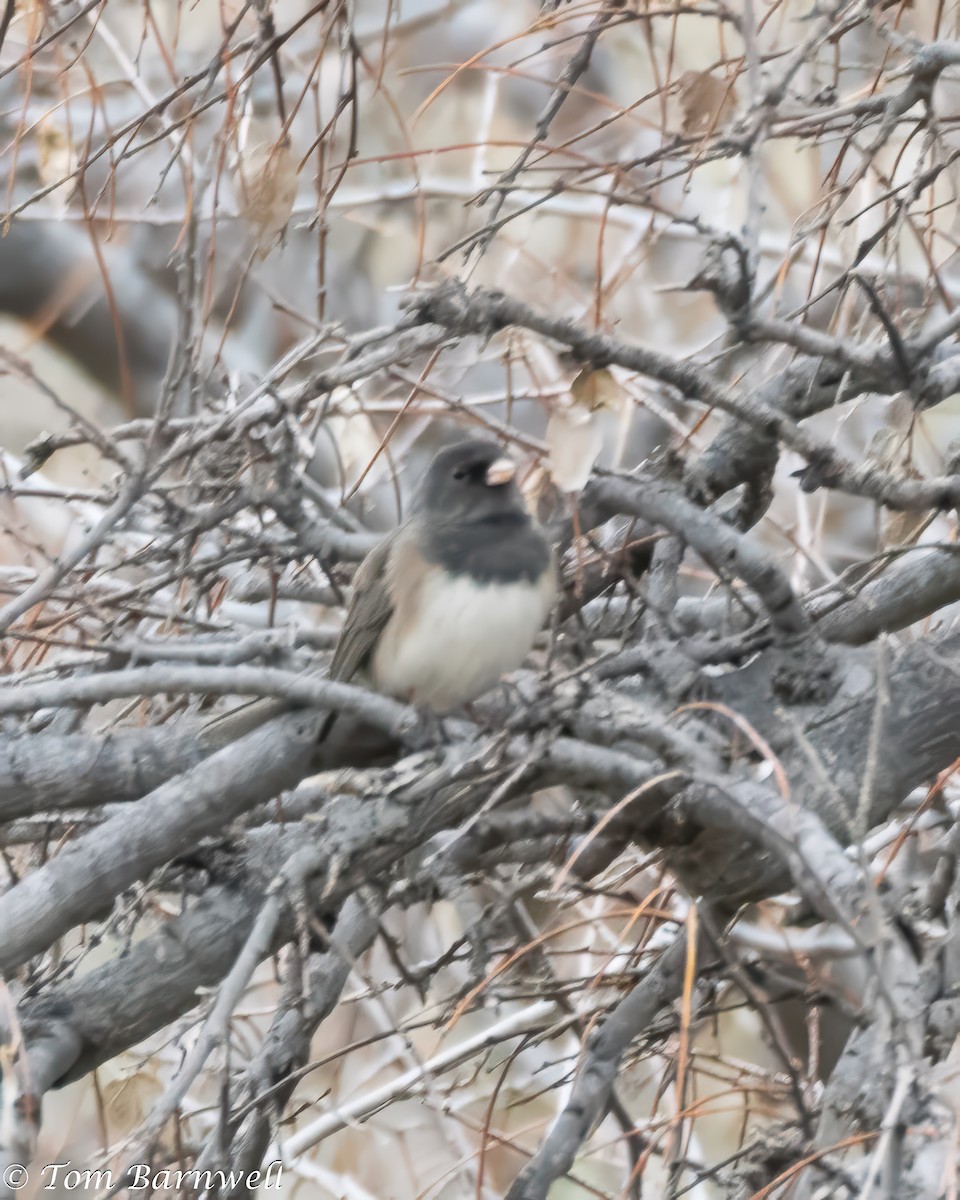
[(371, 607)]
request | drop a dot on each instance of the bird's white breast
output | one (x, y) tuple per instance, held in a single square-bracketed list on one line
[(459, 638)]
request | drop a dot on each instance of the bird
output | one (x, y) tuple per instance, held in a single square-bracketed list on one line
[(445, 605), (454, 598)]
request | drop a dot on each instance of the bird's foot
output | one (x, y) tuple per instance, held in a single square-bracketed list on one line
[(428, 729)]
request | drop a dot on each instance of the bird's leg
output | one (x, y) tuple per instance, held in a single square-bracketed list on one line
[(433, 724), (430, 723)]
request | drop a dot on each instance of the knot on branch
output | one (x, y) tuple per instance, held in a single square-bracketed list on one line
[(819, 472), (458, 310), (929, 61), (771, 1152), (439, 304), (727, 274), (739, 454), (802, 677)]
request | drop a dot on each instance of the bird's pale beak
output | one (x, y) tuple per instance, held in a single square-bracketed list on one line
[(500, 472)]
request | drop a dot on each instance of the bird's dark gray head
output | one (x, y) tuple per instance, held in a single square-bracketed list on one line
[(473, 520), (471, 483)]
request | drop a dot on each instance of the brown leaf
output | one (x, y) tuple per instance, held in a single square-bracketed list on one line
[(129, 1092), (575, 429), (903, 528), (594, 390), (56, 160), (708, 103), (266, 178)]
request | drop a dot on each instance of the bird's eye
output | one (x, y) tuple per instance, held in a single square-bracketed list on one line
[(461, 473)]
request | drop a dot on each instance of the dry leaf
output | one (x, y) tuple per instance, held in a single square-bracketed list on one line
[(902, 528), (594, 390), (540, 494), (56, 161), (265, 171), (129, 1092), (708, 103), (575, 428)]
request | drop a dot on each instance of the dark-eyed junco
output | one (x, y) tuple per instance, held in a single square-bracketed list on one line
[(454, 598), (449, 602)]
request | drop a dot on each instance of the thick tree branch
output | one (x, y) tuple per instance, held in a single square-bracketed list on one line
[(83, 880), (597, 1073)]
